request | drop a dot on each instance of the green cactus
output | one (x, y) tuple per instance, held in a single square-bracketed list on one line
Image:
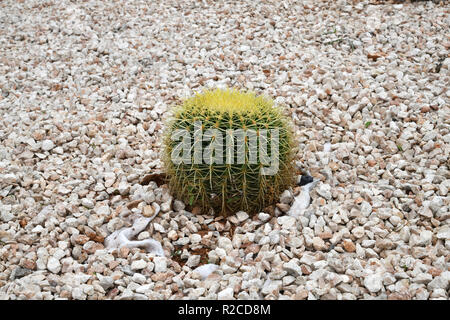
[(238, 182)]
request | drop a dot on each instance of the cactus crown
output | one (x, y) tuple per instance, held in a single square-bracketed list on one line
[(229, 186)]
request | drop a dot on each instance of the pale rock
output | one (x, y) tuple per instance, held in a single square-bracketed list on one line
[(358, 232), (138, 265), (103, 210), (421, 239), (271, 286), (88, 203), (324, 190), (318, 244), (53, 265), (226, 294), (443, 232), (205, 270), (193, 261), (124, 188), (160, 264), (293, 268), (242, 216), (47, 145), (373, 282), (286, 222), (139, 278), (263, 216), (178, 205)]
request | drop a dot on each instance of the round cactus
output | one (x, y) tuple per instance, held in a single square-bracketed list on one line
[(229, 150)]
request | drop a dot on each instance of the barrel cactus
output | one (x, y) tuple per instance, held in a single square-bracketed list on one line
[(228, 150)]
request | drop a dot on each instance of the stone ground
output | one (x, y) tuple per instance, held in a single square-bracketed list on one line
[(85, 87)]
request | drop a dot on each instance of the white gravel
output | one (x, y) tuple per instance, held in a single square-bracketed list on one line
[(84, 90)]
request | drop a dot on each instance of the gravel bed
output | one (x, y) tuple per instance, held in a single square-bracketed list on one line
[(84, 91)]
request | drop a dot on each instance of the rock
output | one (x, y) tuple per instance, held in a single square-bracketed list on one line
[(366, 208), (287, 280), (53, 265), (165, 207), (263, 216), (110, 178), (225, 243), (106, 282), (384, 213), (103, 211), (77, 294), (443, 232), (193, 261), (293, 268), (139, 278), (148, 211), (286, 222), (178, 205), (160, 264), (95, 220), (423, 278), (388, 279), (47, 145), (63, 190), (124, 188), (440, 282), (88, 203), (10, 178), (358, 232), (19, 273), (282, 207), (373, 282), (324, 190), (307, 259), (195, 238), (172, 235), (301, 294), (146, 288), (286, 197), (319, 244), (205, 270), (349, 246), (421, 239), (226, 294), (6, 214), (242, 216), (138, 265), (385, 244), (158, 228), (271, 287)]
